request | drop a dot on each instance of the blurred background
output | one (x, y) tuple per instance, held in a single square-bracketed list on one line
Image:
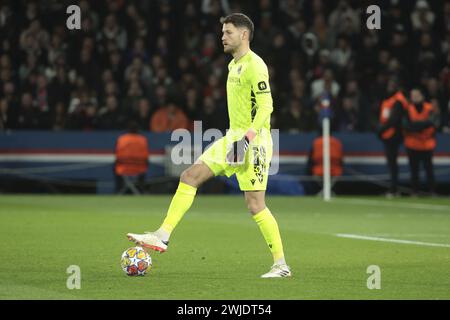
[(155, 66)]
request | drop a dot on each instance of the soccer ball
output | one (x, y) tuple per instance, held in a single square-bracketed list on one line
[(136, 261)]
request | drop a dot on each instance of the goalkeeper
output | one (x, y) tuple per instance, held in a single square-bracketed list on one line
[(246, 150)]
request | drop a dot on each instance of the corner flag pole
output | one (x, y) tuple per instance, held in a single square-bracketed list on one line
[(326, 159)]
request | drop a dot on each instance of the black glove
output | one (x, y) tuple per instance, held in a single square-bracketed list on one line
[(238, 149)]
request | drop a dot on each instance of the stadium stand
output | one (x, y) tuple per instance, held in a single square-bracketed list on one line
[(134, 60)]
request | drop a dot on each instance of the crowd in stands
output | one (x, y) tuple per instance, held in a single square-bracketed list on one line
[(161, 63)]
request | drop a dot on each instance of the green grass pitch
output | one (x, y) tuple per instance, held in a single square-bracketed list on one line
[(217, 251)]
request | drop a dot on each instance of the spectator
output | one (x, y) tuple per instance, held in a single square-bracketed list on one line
[(192, 103), (343, 17), (143, 114), (290, 10), (30, 117), (280, 53), (116, 66), (436, 96), (139, 71), (297, 118), (366, 58), (133, 97), (169, 118), (56, 49), (310, 46), (9, 93), (427, 56), (88, 69), (139, 51), (263, 39), (299, 93), (352, 92), (326, 84), (81, 97), (87, 12), (323, 63), (422, 18), (89, 118), (110, 116), (167, 49), (59, 117), (34, 39), (59, 89), (296, 30), (213, 88), (347, 115), (42, 94), (212, 116), (162, 78), (7, 115), (341, 55), (29, 67), (112, 31), (321, 31)]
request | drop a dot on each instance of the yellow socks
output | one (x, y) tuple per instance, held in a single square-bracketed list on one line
[(181, 202), (269, 228)]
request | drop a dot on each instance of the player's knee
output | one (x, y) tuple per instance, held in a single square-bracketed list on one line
[(189, 177), (255, 206)]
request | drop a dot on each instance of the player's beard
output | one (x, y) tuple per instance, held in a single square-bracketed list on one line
[(230, 49)]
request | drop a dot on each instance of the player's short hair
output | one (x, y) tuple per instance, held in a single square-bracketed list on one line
[(240, 20)]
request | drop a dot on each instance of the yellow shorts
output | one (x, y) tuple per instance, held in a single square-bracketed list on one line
[(253, 173)]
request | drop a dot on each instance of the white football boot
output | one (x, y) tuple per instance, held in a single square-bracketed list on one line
[(149, 240), (278, 271)]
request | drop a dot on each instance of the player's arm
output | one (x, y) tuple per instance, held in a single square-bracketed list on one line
[(259, 80), (258, 76)]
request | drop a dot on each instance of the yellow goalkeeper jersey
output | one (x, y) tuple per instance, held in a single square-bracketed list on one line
[(248, 94)]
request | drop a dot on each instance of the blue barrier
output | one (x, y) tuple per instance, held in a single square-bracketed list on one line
[(77, 156)]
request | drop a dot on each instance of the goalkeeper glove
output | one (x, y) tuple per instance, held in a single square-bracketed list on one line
[(239, 148)]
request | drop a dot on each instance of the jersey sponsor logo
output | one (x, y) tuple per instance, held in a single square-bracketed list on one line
[(262, 85), (235, 80)]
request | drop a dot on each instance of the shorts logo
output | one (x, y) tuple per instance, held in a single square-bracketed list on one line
[(262, 85), (253, 181)]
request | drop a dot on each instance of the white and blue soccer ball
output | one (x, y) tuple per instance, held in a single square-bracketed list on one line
[(136, 261)]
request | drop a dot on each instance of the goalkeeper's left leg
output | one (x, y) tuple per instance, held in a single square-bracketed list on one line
[(271, 233)]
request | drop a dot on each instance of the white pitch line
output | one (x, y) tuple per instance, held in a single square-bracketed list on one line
[(419, 243), (391, 204)]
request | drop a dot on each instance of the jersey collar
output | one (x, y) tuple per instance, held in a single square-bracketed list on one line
[(243, 58)]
